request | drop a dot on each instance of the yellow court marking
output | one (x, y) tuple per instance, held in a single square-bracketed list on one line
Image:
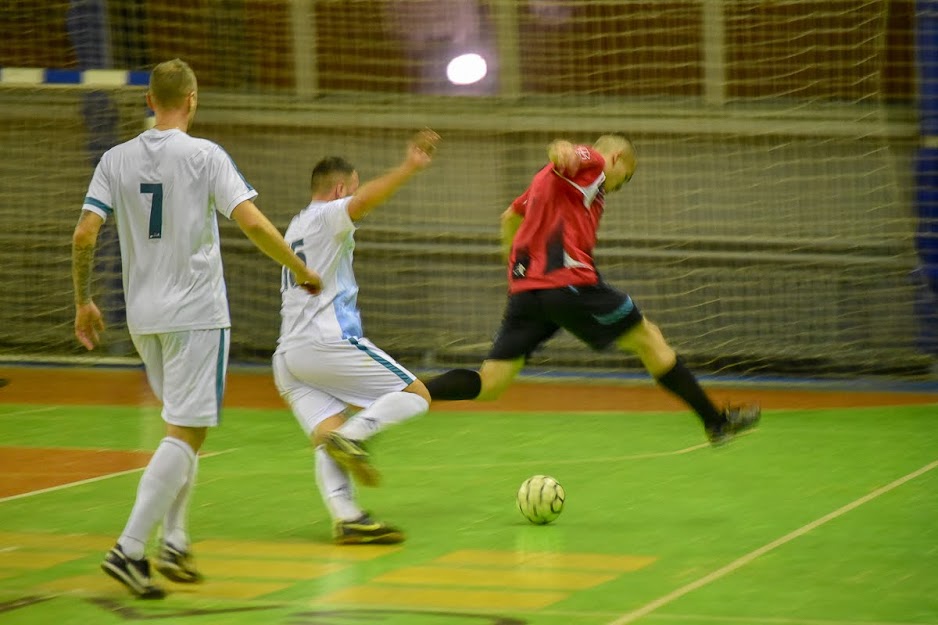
[(33, 560), (520, 579), (547, 559), (59, 542), (89, 583), (267, 569), (101, 583), (227, 589), (296, 550), (437, 598)]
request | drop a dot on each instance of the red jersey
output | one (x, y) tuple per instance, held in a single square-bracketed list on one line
[(553, 247)]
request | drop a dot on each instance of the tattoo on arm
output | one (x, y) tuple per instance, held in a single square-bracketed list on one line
[(82, 266), (82, 257)]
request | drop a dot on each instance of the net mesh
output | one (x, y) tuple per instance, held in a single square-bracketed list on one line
[(769, 227)]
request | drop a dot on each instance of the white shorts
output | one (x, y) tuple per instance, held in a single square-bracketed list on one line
[(322, 380), (187, 371)]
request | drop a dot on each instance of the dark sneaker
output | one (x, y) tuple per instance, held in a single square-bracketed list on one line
[(177, 565), (737, 419), (134, 574), (366, 531), (352, 457)]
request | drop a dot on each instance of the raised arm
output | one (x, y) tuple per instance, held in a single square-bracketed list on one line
[(88, 321), (564, 157), (375, 192), (265, 236)]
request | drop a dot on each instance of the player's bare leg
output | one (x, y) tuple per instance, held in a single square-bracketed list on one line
[(486, 384), (497, 376)]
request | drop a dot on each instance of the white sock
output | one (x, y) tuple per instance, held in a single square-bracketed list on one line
[(176, 523), (336, 488), (387, 410), (161, 482)]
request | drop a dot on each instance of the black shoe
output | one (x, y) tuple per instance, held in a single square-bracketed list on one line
[(366, 531), (736, 419), (352, 457), (177, 565), (134, 574)]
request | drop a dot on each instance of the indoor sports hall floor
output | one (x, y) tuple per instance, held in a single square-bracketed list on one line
[(826, 515)]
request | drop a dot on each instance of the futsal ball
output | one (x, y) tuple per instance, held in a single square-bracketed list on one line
[(540, 499)]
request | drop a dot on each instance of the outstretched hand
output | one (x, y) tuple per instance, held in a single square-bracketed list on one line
[(421, 148), (88, 325), (310, 281)]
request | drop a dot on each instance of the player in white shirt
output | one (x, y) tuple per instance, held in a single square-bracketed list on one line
[(324, 366), (163, 188)]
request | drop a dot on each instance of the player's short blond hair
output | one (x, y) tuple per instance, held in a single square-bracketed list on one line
[(171, 82)]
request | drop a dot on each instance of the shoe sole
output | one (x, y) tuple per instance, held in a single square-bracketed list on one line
[(151, 592), (729, 438), (176, 574), (362, 470), (391, 538)]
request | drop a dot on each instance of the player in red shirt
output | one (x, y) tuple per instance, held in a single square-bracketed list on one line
[(548, 236)]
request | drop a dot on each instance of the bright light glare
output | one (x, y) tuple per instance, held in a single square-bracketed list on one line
[(466, 69)]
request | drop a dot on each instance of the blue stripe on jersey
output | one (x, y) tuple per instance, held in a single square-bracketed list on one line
[(381, 361), (220, 373), (346, 313), (99, 204), (235, 165)]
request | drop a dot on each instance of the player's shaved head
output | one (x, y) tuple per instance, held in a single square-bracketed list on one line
[(328, 173), (608, 144), (171, 83), (620, 157)]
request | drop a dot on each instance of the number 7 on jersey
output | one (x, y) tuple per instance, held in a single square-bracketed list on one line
[(156, 207)]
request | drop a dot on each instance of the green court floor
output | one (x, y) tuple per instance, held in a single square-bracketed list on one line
[(826, 517)]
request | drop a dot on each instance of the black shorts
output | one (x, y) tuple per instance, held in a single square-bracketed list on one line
[(597, 315)]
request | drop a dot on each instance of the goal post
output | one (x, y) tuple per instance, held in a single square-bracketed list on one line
[(768, 229)]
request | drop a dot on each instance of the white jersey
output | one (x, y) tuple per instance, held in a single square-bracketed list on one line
[(163, 187), (323, 236)]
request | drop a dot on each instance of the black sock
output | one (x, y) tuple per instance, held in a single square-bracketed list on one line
[(680, 381), (455, 384)]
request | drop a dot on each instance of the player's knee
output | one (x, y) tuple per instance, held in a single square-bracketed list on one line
[(644, 338), (326, 427), (191, 436), (417, 387)]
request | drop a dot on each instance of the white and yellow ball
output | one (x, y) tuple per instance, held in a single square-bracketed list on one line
[(540, 499)]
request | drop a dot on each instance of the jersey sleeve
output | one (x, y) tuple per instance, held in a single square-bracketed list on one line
[(229, 187), (98, 199), (591, 166), (520, 205), (336, 219)]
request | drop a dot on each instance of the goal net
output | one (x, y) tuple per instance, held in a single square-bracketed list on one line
[(769, 227)]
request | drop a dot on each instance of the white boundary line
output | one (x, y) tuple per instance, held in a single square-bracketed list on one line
[(19, 413), (738, 563), (92, 480)]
